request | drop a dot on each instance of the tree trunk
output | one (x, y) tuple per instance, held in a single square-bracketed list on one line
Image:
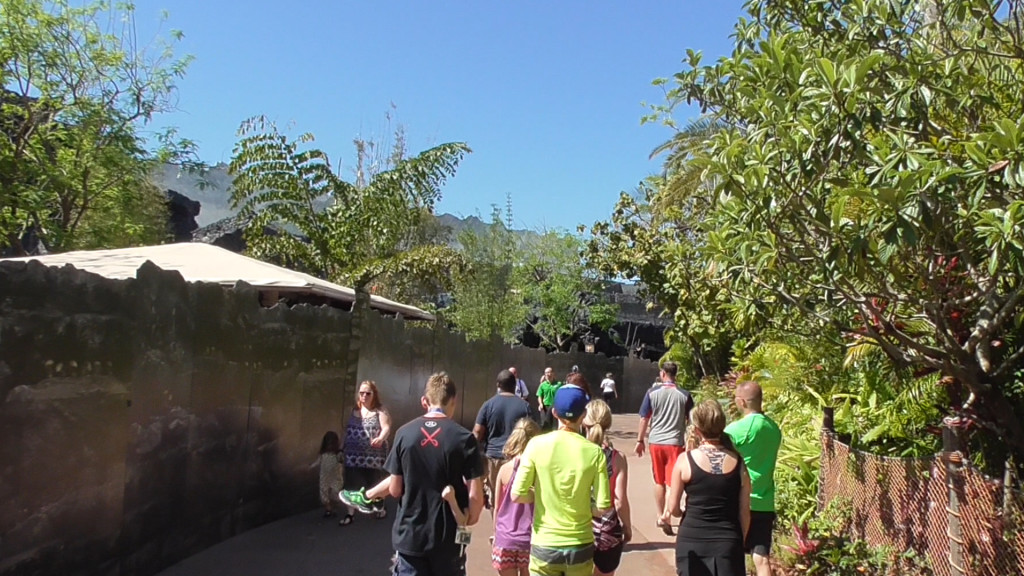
[(359, 310), (15, 245), (998, 411), (697, 353)]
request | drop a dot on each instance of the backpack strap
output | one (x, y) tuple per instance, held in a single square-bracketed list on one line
[(614, 472)]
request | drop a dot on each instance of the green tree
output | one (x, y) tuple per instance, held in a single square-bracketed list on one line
[(347, 232), (869, 179), (77, 87), (351, 233), (650, 229), (487, 298), (425, 232), (418, 289), (562, 292)]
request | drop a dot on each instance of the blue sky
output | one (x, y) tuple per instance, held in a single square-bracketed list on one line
[(548, 94)]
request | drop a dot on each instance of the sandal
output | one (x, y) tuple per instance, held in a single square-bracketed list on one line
[(667, 529), (382, 513), (346, 520)]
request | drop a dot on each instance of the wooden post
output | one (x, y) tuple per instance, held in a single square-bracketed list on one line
[(269, 297), (951, 454), (828, 429)]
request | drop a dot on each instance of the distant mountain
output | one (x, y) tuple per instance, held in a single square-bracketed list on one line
[(212, 191), (459, 224)]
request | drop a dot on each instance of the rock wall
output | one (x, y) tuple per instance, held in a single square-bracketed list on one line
[(145, 420)]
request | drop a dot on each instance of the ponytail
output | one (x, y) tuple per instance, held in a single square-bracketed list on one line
[(597, 420), (595, 433)]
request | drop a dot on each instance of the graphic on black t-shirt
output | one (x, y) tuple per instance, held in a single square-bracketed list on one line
[(429, 454), (430, 438)]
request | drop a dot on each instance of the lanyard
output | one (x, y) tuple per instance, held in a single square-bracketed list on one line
[(435, 413)]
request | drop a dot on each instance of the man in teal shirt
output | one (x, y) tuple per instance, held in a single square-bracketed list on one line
[(757, 438)]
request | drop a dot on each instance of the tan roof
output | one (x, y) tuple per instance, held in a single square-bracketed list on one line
[(198, 262)]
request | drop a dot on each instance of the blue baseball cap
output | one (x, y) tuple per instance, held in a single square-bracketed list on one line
[(570, 402)]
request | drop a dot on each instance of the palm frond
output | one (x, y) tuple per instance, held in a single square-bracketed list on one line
[(420, 178), (690, 138), (865, 348)]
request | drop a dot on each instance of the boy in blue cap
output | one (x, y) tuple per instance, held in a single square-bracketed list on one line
[(565, 471)]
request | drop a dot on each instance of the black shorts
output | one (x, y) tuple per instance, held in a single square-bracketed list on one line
[(440, 564), (759, 537), (694, 564), (607, 561), (609, 396)]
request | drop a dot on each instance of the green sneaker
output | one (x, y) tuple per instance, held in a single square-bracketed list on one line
[(358, 500)]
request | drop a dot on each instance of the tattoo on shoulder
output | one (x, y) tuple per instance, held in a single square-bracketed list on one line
[(717, 460)]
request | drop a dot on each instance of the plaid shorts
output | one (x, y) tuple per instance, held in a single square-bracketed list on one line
[(575, 561)]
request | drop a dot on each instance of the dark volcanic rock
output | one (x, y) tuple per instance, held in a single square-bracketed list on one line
[(227, 233), (183, 213)]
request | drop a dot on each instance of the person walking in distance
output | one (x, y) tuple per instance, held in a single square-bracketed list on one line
[(494, 422), (559, 473), (665, 412), (521, 389), (608, 390), (546, 397), (430, 453), (757, 438)]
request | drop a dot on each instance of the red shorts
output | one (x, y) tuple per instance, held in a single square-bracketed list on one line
[(663, 460)]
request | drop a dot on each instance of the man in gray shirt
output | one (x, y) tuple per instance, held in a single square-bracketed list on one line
[(665, 411)]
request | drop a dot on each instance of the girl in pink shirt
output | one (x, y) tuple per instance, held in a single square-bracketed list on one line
[(510, 553)]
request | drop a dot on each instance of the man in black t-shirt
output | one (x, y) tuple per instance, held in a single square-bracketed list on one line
[(429, 453), (495, 421)]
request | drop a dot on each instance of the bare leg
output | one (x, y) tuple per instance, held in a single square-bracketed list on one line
[(381, 490), (763, 566), (659, 498)]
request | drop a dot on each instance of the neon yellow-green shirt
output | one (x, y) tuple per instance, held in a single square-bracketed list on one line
[(565, 470), (757, 438)]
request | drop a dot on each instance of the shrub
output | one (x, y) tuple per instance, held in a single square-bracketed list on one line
[(822, 547)]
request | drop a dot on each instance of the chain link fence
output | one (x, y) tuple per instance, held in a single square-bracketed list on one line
[(962, 521)]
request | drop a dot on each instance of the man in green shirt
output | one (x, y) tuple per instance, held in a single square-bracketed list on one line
[(757, 438), (559, 473), (546, 397)]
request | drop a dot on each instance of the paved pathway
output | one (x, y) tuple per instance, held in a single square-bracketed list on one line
[(309, 545)]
